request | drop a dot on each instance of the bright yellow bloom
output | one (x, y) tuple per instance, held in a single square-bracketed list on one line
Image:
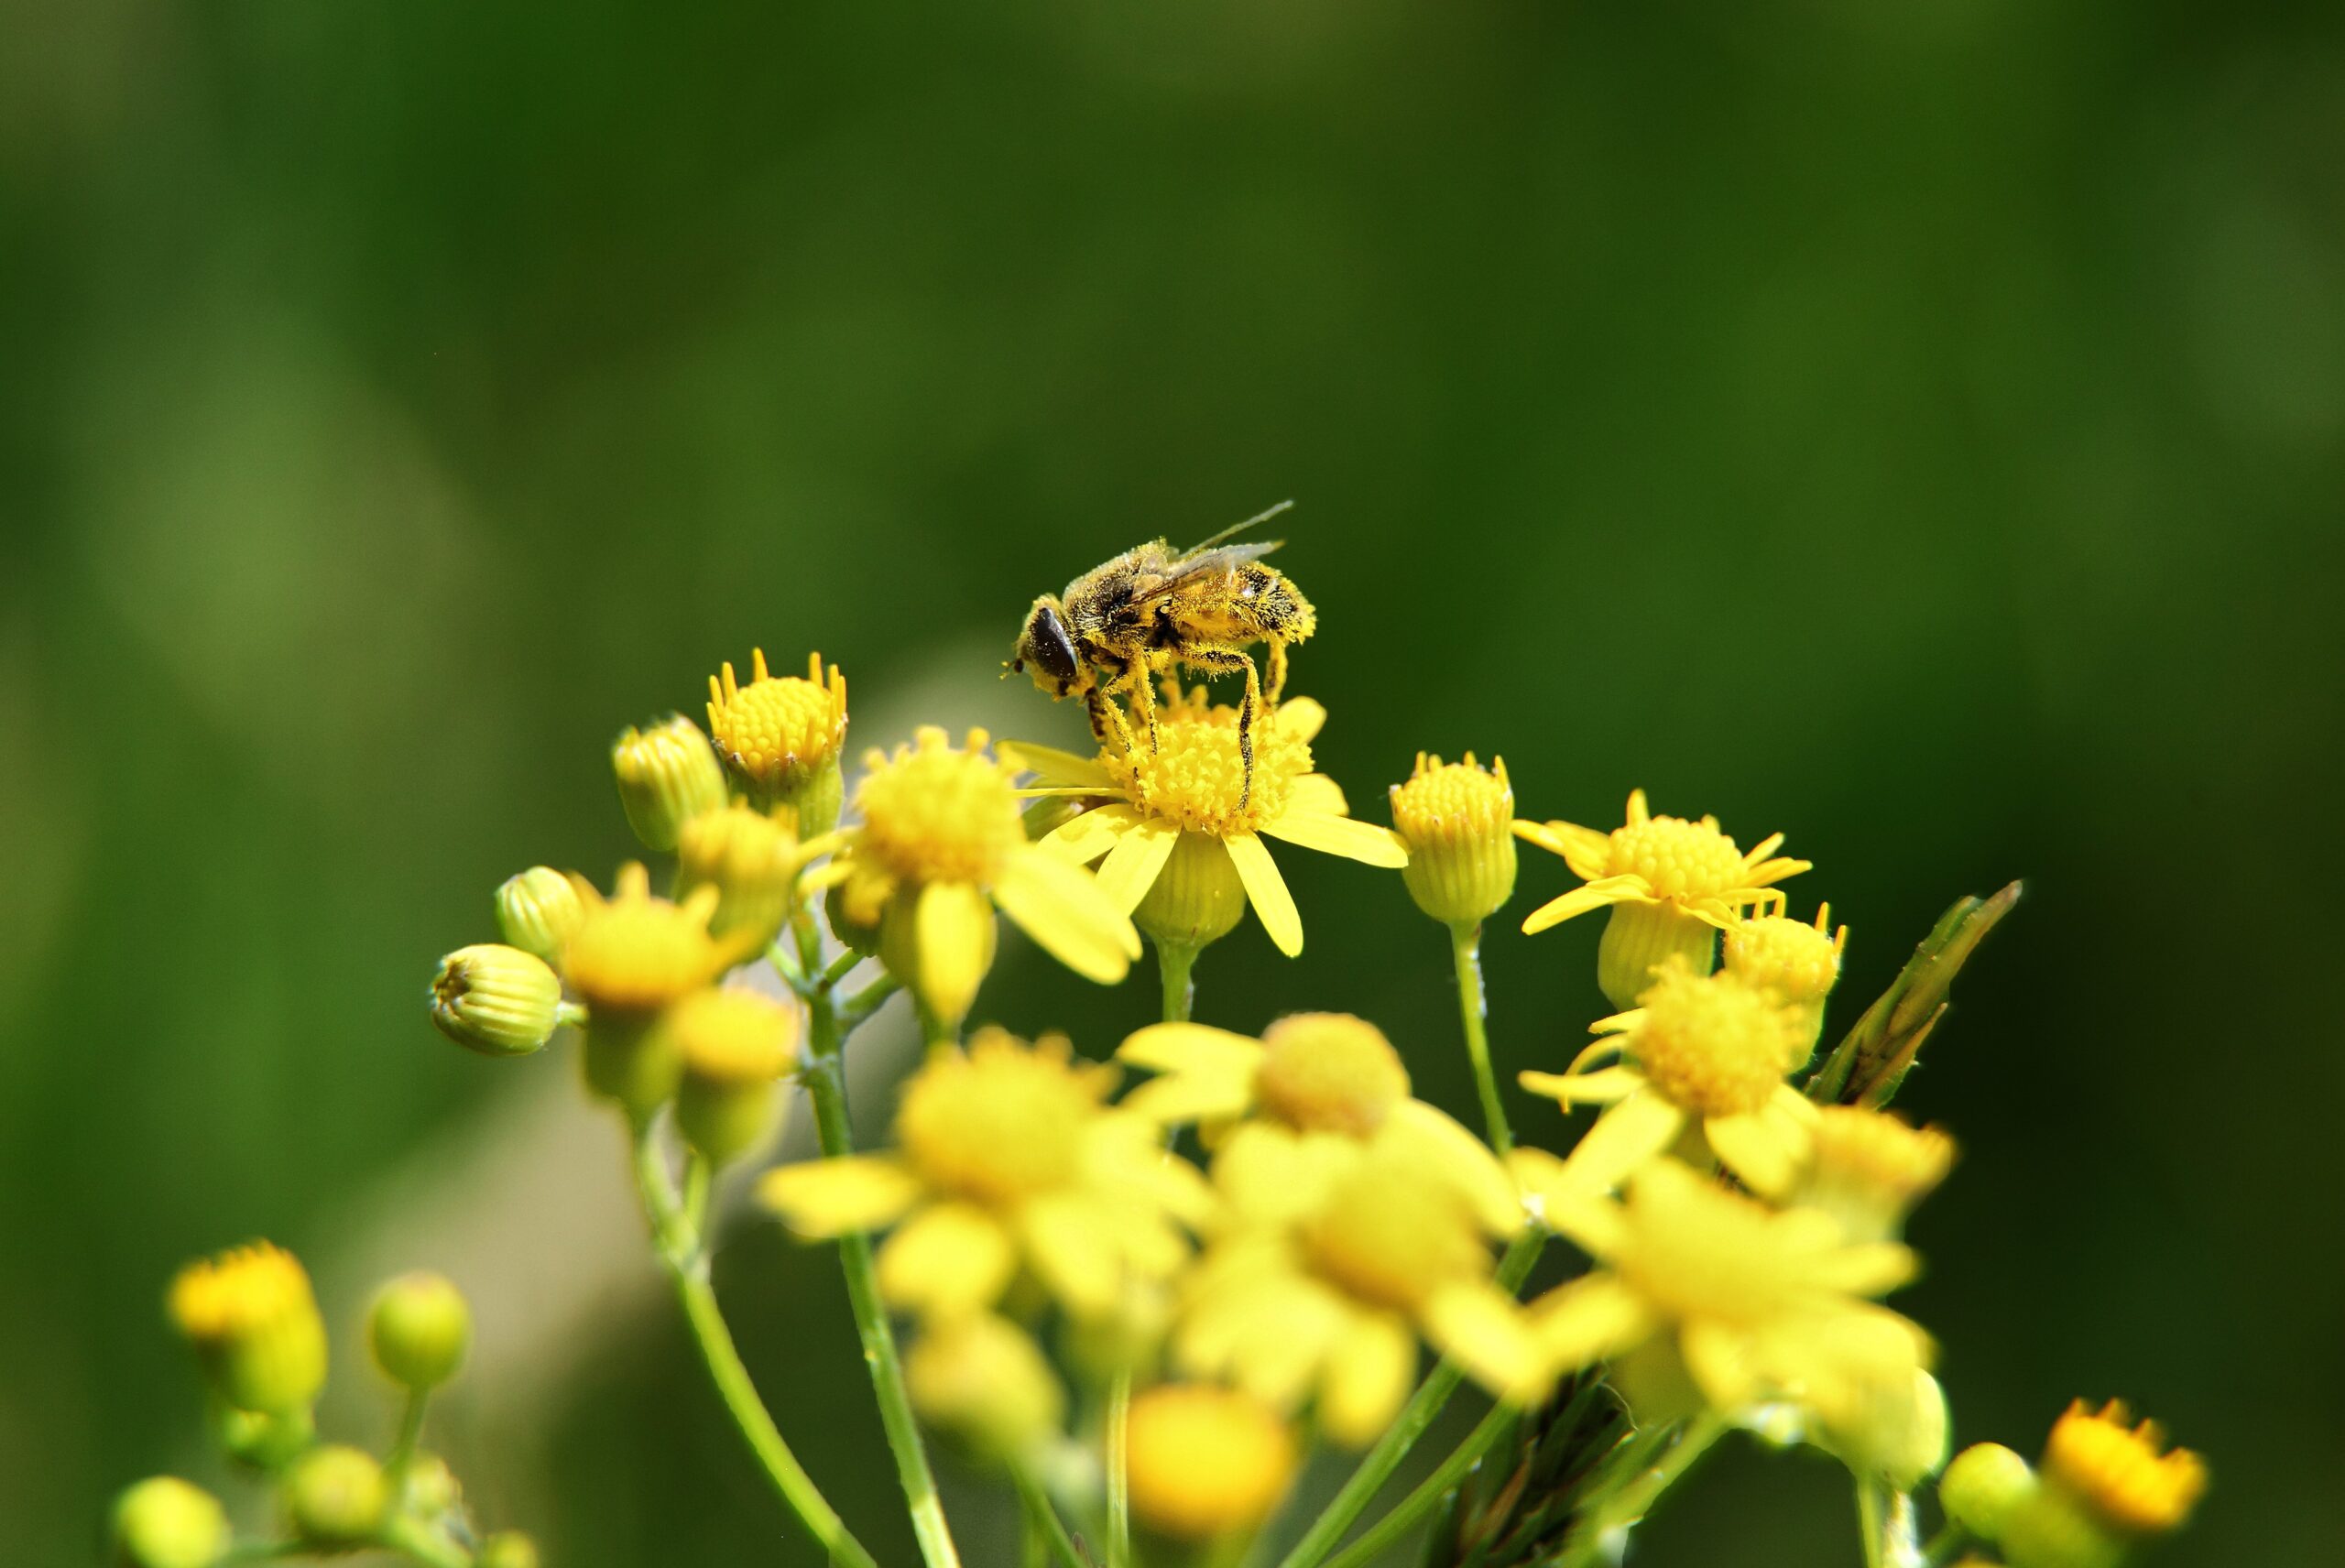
[(781, 736), (1324, 1299), (733, 1044), (983, 1380), (1457, 820), (1188, 799), (1671, 884), (1262, 1104), (1799, 962), (940, 844), (667, 776), (634, 954), (1206, 1462), (2118, 1471), (754, 859), (1868, 1169), (1006, 1156), (1741, 1303), (1704, 1048), (254, 1322)]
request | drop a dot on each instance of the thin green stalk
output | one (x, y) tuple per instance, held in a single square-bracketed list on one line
[(1377, 1466), (1412, 1508), (1631, 1499), (825, 1085), (1043, 1523), (1465, 950), (1119, 1470), (1942, 1546), (1175, 963), (410, 1433), (1871, 1517), (687, 1267)]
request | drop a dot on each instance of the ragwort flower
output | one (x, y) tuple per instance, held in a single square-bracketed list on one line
[(781, 737), (939, 845), (1671, 885), (1181, 834), (1006, 1157)]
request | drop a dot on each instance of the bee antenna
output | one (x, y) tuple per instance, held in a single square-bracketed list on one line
[(1234, 529)]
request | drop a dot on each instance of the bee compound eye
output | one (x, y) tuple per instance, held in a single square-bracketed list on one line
[(1050, 647)]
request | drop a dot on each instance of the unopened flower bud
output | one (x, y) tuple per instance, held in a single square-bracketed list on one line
[(1982, 1486), (733, 1044), (668, 775), (1196, 898), (254, 1322), (428, 1488), (982, 1379), (781, 737), (631, 958), (166, 1522), (336, 1498), (420, 1328), (497, 1001), (750, 859), (1458, 819), (537, 911), (264, 1440), (838, 913), (1799, 962), (507, 1549), (2107, 1484), (1205, 1462)]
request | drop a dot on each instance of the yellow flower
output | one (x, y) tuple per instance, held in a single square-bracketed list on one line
[(1179, 822), (781, 737), (754, 860), (940, 844), (1457, 820), (1707, 1049), (1262, 1103), (1325, 1300), (733, 1045), (1671, 885), (2117, 1471), (1799, 962), (667, 776), (254, 1322), (983, 1380), (1868, 1169), (1205, 1462), (634, 954), (1741, 1302), (1007, 1157)]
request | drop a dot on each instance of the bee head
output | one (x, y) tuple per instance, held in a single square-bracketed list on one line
[(1045, 646)]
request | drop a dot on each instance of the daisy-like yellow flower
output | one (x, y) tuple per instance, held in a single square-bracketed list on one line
[(1868, 1169), (1180, 835), (1672, 884), (781, 737), (1720, 1296), (2103, 1487), (1006, 1157), (1311, 1075), (1706, 1049), (1325, 1302), (939, 845), (1797, 961)]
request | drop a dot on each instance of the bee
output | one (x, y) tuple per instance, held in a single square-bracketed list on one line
[(1120, 626)]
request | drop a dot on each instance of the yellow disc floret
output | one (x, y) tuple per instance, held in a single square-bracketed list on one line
[(1797, 961), (1195, 776), (1000, 1121), (2116, 1470), (782, 735), (1388, 1237), (1458, 820), (1712, 1044), (1679, 860), (1205, 1462), (633, 953), (933, 812), (1868, 1169), (1329, 1072), (253, 1321)]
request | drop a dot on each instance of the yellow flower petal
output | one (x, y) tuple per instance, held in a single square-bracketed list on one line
[(1601, 1087), (1718, 1357), (1597, 895), (1266, 890), (1368, 1373), (953, 926), (1317, 792), (1766, 1147), (1131, 867), (948, 1259), (1870, 1268), (1486, 1331), (1301, 717), (1271, 1173), (832, 1197), (1363, 842), (1075, 1251), (1442, 1143), (1623, 1138), (1050, 764), (1191, 1047), (1081, 840), (1593, 1317), (1062, 907)]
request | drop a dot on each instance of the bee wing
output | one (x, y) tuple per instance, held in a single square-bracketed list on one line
[(1204, 562), (1234, 529)]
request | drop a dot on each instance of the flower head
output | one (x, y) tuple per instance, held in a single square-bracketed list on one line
[(537, 911), (1745, 1303), (1206, 1462), (2123, 1471), (253, 1320), (667, 776), (733, 1045), (1457, 820), (982, 1378), (1004, 1157), (939, 846), (1702, 1048), (1191, 788), (780, 736), (1798, 962), (634, 954), (1868, 1169), (419, 1328)]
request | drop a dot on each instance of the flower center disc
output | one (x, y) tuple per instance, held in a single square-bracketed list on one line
[(1712, 1045), (1196, 777), (637, 955), (996, 1126), (1391, 1239), (1677, 858), (935, 814), (1329, 1072)]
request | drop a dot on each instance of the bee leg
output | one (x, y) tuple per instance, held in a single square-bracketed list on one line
[(1145, 695), (1247, 711), (1278, 672)]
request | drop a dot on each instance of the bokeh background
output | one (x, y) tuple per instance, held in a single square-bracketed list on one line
[(1918, 428)]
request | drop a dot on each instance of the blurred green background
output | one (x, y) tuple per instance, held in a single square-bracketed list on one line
[(1918, 428)]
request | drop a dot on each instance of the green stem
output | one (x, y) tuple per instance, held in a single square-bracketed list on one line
[(1175, 963), (428, 1547), (1465, 950), (1043, 1522), (1871, 1517), (410, 1433), (1413, 1507), (1377, 1466), (1942, 1546), (866, 1002), (1119, 1470), (1633, 1496), (825, 1085), (687, 1267)]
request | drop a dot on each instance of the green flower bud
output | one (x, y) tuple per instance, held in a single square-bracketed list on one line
[(507, 1549), (428, 1488), (1458, 819), (859, 938), (165, 1522), (264, 1440), (1982, 1486), (538, 910), (750, 859), (336, 1498), (420, 1328), (499, 1001), (668, 775)]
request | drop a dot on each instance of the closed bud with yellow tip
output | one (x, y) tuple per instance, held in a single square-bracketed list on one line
[(253, 1320), (2107, 1486), (982, 1379), (734, 1045), (497, 1001), (1205, 1462), (537, 911), (667, 774), (781, 737), (420, 1328), (165, 1522), (336, 1498), (1984, 1487), (750, 859), (1458, 819)]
